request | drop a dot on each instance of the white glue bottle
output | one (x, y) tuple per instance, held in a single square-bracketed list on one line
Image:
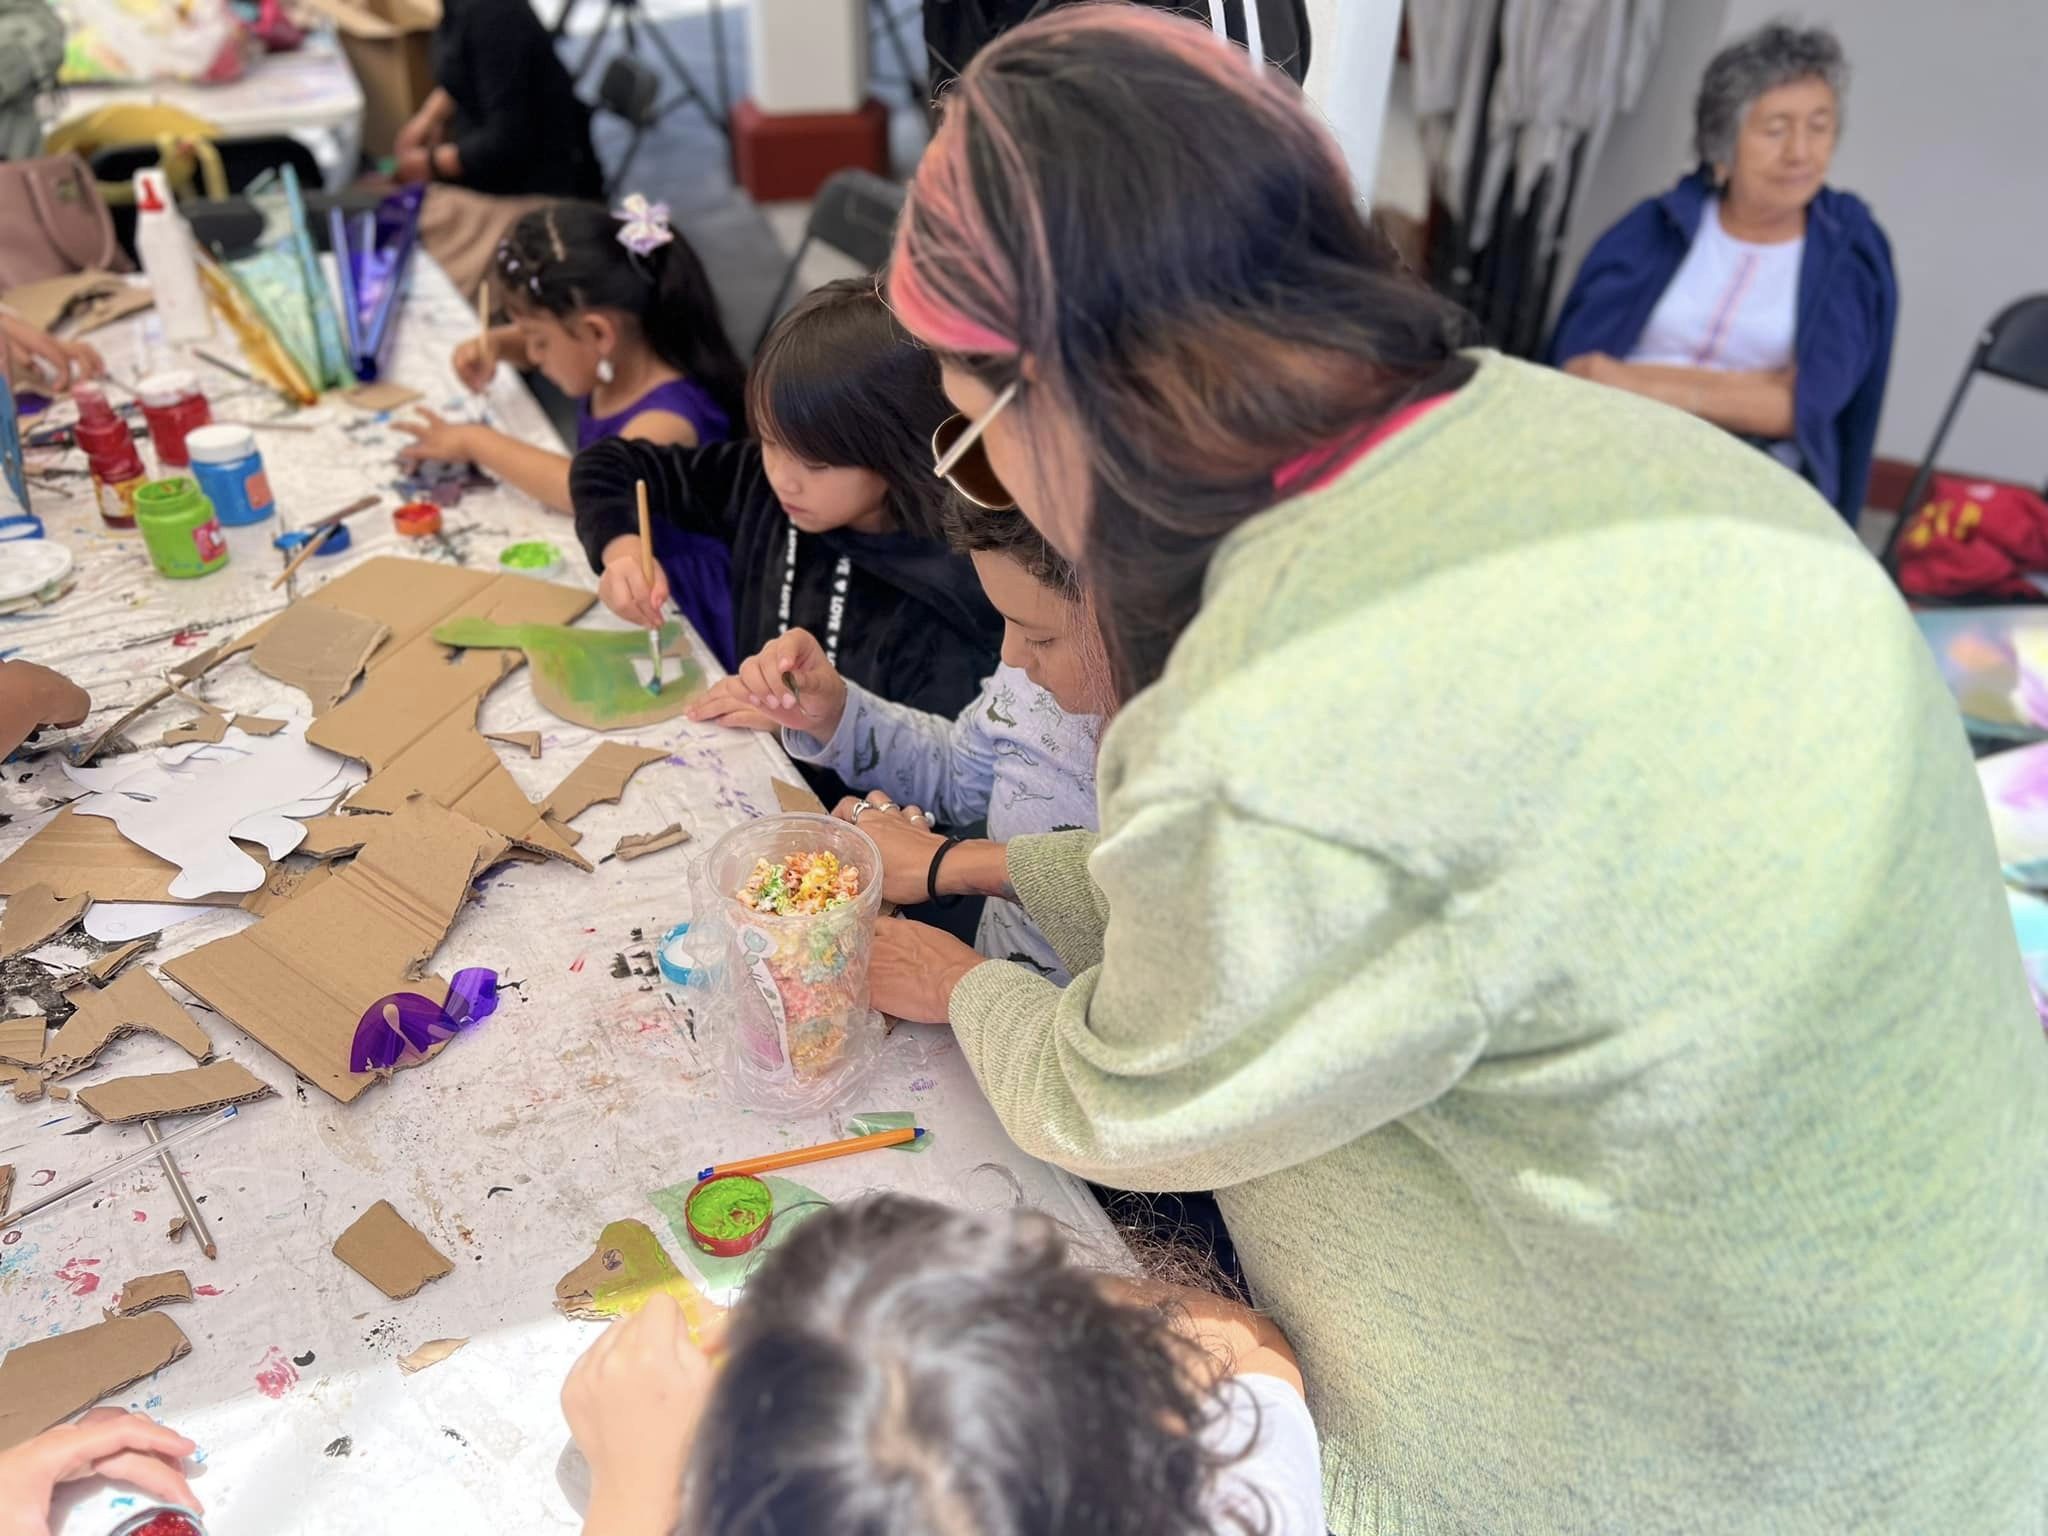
[(164, 242)]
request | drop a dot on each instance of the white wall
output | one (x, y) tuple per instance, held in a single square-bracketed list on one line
[(1351, 59), (1945, 138)]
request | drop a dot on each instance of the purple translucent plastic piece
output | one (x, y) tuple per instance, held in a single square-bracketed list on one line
[(472, 998)]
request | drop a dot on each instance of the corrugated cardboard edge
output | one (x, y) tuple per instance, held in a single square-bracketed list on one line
[(390, 1252), (527, 741), (637, 845), (26, 1083), (146, 1292), (108, 966), (136, 1004), (298, 987), (155, 1094), (797, 797), (44, 1382), (89, 854), (433, 1352), (206, 728), (37, 915), (600, 776), (22, 1039)]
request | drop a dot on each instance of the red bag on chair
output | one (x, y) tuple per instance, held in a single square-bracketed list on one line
[(1975, 538)]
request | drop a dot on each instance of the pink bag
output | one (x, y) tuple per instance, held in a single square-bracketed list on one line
[(63, 225)]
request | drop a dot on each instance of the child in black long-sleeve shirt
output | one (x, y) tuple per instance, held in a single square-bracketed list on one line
[(830, 522)]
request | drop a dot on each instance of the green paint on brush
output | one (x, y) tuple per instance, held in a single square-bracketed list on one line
[(728, 1208), (587, 675)]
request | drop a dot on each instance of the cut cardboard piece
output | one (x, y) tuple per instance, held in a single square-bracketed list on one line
[(258, 725), (319, 650), (135, 1004), (21, 1039), (300, 980), (83, 300), (192, 813), (433, 1352), (388, 44), (44, 1382), (35, 916), (25, 1083), (88, 853), (6, 1188), (380, 396), (593, 677), (177, 1228), (639, 845), (127, 1099), (185, 672), (600, 776), (795, 798), (203, 728), (282, 886), (390, 1252), (145, 1293), (331, 836), (628, 1266), (108, 966), (526, 741)]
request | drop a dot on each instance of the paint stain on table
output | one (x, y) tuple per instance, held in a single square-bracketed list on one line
[(275, 1374)]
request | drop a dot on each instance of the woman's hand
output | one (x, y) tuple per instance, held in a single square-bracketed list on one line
[(435, 437), (107, 1442), (633, 1403), (53, 364), (791, 683), (1596, 368), (913, 970), (725, 703), (905, 836), (624, 588)]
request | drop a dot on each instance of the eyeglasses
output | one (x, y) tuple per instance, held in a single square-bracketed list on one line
[(963, 461)]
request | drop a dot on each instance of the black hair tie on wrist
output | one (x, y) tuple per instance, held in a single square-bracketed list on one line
[(931, 878)]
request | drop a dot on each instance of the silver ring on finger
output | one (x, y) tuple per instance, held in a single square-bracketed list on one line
[(860, 808), (884, 803), (917, 818)]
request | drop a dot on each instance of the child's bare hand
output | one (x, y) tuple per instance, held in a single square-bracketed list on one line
[(624, 587), (435, 437), (633, 1402), (473, 367), (725, 703), (792, 683), (107, 1442)]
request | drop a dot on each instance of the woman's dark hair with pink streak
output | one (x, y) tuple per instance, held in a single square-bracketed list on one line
[(1172, 240)]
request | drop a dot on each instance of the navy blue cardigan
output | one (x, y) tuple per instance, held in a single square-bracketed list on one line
[(1848, 304)]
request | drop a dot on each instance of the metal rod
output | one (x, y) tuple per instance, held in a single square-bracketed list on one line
[(185, 1201)]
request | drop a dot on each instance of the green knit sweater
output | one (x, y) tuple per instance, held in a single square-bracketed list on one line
[(1548, 899)]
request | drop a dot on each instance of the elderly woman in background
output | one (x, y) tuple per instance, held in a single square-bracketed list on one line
[(1752, 294)]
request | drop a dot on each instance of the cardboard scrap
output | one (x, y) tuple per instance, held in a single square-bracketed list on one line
[(528, 741), (87, 300), (206, 728), (635, 845), (89, 854), (600, 776), (37, 915), (21, 1039), (134, 1004), (177, 1228), (797, 798), (44, 1382), (6, 1187), (186, 671), (319, 650), (381, 396), (56, 1091), (26, 1084), (628, 1265), (389, 1252), (146, 1292), (300, 980), (281, 886), (258, 725), (433, 1352), (154, 1094), (336, 833), (104, 969)]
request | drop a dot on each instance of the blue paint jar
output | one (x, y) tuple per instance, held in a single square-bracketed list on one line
[(230, 471)]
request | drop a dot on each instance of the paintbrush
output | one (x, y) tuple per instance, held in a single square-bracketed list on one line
[(360, 504), (305, 553), (647, 573), (817, 1154), (122, 1165), (186, 1203), (483, 332)]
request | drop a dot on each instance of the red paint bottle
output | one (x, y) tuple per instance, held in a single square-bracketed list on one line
[(173, 404), (111, 454)]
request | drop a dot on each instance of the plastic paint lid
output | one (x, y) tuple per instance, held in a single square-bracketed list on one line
[(730, 1247), (292, 540), (674, 957), (168, 387), (417, 519), (225, 442)]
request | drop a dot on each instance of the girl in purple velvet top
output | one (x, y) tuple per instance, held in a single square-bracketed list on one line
[(614, 307)]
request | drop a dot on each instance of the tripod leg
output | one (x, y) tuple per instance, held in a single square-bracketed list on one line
[(686, 83)]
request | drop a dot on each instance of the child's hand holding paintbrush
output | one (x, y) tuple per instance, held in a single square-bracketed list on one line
[(790, 684)]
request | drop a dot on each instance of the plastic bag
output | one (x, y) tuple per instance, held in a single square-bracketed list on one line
[(794, 990), (113, 40)]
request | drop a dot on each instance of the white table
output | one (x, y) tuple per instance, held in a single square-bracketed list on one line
[(310, 94), (510, 1150)]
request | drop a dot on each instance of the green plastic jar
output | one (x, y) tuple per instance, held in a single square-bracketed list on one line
[(178, 526)]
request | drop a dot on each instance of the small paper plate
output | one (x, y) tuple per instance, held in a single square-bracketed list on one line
[(27, 566)]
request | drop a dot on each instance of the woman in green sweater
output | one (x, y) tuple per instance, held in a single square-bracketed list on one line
[(1542, 887)]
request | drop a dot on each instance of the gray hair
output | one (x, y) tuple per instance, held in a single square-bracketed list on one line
[(1774, 55)]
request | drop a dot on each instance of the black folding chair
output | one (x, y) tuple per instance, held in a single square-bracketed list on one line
[(855, 214), (629, 91), (2013, 346)]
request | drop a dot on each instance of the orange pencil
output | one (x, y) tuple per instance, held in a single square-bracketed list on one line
[(817, 1154)]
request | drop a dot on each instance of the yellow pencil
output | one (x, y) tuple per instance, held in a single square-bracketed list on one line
[(817, 1154)]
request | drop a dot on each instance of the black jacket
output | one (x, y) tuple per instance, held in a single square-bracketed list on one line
[(519, 126), (914, 625)]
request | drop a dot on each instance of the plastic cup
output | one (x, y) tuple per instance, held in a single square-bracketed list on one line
[(799, 984)]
